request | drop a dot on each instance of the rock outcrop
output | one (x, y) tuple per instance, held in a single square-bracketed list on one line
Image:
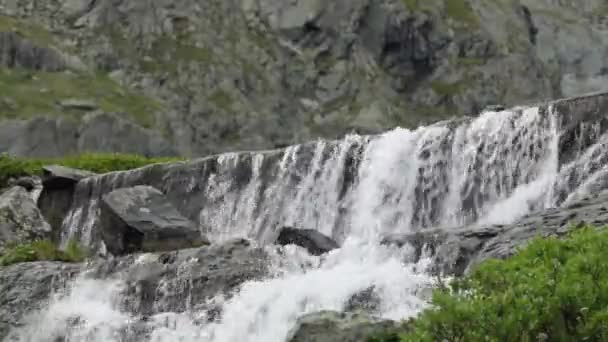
[(26, 287), (276, 73), (20, 219), (329, 326), (313, 241), (181, 280), (456, 250), (142, 219)]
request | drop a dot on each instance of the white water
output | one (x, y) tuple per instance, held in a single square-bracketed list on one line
[(493, 169)]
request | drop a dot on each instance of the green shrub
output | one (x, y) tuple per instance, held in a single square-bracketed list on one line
[(11, 167), (552, 290), (42, 250)]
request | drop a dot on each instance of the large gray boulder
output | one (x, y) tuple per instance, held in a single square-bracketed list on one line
[(60, 177), (330, 326), (313, 241), (25, 288), (141, 218), (20, 219), (18, 52)]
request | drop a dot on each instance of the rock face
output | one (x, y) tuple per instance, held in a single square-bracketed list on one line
[(313, 241), (25, 287), (329, 326), (275, 73), (97, 132), (20, 219), (55, 198), (180, 280), (142, 219), (455, 251)]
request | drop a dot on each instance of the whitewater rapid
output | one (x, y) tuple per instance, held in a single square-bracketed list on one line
[(492, 169)]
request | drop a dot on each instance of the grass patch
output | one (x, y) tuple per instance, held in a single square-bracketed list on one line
[(38, 93), (461, 11), (36, 34), (552, 290), (221, 99), (42, 250), (100, 163), (446, 89)]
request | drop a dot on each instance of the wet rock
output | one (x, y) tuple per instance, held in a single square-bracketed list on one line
[(330, 326), (456, 250), (25, 287), (142, 219), (20, 219), (193, 276), (57, 193), (313, 241), (366, 301)]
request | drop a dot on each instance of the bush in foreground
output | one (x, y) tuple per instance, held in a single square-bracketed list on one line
[(11, 167), (552, 290), (42, 250)]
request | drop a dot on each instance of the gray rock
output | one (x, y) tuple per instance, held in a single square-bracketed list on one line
[(20, 219), (25, 288), (142, 219), (456, 250), (313, 241), (60, 177), (78, 104), (330, 326), (177, 281), (18, 52)]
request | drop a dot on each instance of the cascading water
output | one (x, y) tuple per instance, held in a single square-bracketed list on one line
[(491, 169)]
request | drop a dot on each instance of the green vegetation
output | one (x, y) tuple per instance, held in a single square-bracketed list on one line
[(37, 92), (552, 290), (100, 163), (458, 10), (446, 89), (42, 250), (32, 32)]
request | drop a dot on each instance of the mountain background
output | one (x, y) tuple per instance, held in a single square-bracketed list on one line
[(191, 78)]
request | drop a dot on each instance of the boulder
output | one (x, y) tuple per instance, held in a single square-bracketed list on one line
[(20, 219), (61, 177), (141, 218), (18, 52), (330, 326), (313, 241), (55, 199), (25, 288)]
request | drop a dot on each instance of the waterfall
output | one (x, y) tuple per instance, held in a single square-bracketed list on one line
[(495, 168)]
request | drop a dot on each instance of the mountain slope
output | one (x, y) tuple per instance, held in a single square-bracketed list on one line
[(211, 76)]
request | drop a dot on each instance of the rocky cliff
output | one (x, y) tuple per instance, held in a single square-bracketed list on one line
[(192, 77)]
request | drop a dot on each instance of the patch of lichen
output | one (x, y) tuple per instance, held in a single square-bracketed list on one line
[(27, 93)]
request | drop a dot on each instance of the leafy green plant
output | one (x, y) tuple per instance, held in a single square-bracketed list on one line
[(42, 250), (11, 167), (552, 290)]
